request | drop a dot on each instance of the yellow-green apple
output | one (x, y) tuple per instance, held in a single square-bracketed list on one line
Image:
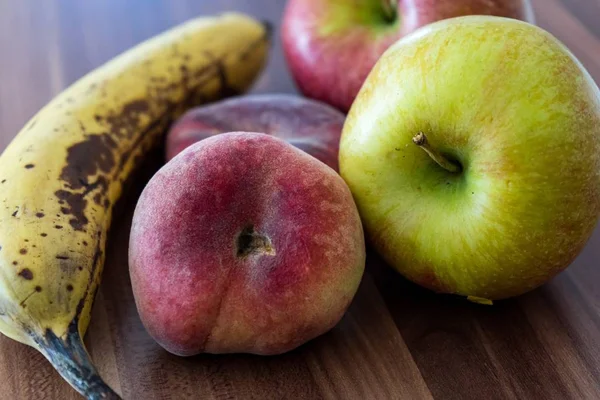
[(331, 45), (310, 125), (473, 153), (244, 243)]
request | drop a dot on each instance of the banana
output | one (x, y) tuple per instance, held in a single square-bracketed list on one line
[(61, 175)]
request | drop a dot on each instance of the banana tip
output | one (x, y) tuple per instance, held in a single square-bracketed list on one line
[(268, 26)]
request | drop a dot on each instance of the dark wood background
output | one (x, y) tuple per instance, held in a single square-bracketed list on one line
[(396, 342)]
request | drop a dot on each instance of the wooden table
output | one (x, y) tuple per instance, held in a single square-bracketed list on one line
[(396, 342)]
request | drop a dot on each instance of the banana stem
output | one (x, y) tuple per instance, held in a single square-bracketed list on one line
[(71, 360)]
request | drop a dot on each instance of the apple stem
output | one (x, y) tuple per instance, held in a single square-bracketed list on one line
[(390, 9), (421, 140)]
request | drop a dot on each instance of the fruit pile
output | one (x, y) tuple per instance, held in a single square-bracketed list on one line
[(469, 159)]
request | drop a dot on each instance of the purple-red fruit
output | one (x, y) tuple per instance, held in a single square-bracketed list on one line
[(307, 124)]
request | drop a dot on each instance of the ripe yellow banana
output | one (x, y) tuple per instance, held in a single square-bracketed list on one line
[(63, 172)]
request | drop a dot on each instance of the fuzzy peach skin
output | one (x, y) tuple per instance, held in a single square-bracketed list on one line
[(244, 243), (311, 126)]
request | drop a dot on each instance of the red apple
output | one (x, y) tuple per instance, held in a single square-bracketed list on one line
[(307, 124), (332, 45), (244, 243)]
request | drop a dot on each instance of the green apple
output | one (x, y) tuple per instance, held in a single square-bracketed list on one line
[(473, 153)]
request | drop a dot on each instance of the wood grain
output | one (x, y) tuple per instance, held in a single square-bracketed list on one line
[(396, 342)]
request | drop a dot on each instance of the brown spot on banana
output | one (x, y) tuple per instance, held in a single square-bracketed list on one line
[(26, 273), (95, 156)]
